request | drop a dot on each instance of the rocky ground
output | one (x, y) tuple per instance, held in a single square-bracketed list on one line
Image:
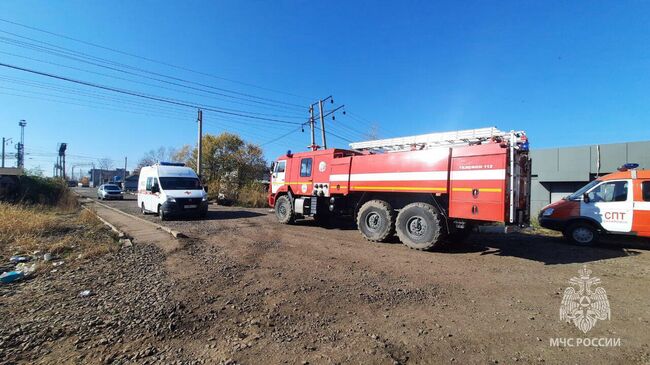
[(244, 289)]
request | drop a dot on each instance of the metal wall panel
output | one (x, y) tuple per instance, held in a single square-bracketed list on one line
[(559, 170)]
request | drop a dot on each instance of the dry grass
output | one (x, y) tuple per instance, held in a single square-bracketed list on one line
[(253, 195), (62, 231)]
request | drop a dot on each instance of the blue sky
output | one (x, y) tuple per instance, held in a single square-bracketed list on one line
[(568, 73)]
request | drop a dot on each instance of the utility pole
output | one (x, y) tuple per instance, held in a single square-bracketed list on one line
[(311, 125), (322, 122), (321, 116), (124, 178), (20, 155), (200, 144), (3, 152)]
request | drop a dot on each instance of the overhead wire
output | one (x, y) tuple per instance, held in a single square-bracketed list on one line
[(147, 58), (83, 57), (161, 87), (141, 95)]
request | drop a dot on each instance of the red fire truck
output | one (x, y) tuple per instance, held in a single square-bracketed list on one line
[(426, 188)]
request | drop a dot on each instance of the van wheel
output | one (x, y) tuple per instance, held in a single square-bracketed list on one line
[(284, 210), (142, 210), (581, 233), (161, 213), (376, 220), (419, 226)]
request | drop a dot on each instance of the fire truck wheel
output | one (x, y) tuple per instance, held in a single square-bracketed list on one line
[(419, 226), (284, 210), (581, 233), (376, 220)]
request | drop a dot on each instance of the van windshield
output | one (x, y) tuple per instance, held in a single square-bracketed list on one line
[(578, 194), (180, 183)]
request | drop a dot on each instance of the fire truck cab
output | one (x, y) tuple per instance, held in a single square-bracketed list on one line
[(618, 203), (425, 188)]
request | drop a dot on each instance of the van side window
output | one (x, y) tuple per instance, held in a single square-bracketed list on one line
[(279, 167), (645, 187), (305, 167), (615, 191), (149, 183)]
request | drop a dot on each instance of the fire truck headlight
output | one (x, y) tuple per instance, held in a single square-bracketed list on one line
[(548, 212)]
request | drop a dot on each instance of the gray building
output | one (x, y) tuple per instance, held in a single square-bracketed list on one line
[(99, 176), (557, 172)]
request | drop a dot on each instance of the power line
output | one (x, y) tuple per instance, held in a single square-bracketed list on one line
[(148, 59), (281, 137), (140, 95), (74, 55), (157, 86)]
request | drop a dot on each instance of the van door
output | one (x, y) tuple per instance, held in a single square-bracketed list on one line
[(641, 219), (277, 178), (611, 204), (151, 199)]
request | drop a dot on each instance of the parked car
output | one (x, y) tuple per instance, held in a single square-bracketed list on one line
[(109, 191)]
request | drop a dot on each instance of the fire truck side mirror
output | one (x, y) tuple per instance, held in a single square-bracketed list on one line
[(585, 197)]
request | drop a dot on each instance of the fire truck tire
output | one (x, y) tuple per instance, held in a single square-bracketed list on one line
[(284, 210), (376, 220), (419, 226), (581, 233)]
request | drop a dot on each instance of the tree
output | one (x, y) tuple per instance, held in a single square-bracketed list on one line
[(35, 171), (229, 162), (155, 156), (185, 155), (105, 163)]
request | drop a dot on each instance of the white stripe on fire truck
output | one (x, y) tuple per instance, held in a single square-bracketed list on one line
[(641, 205), (498, 174), (392, 176)]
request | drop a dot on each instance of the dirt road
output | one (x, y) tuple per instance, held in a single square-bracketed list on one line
[(245, 289)]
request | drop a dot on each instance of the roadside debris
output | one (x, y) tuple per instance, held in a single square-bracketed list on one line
[(26, 269), (85, 293), (16, 259), (126, 242), (11, 276)]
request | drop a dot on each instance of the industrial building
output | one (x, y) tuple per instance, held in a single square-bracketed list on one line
[(557, 172), (100, 176)]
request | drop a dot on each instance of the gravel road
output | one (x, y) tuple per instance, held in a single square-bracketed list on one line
[(244, 289)]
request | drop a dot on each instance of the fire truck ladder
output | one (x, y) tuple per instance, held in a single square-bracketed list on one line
[(431, 140)]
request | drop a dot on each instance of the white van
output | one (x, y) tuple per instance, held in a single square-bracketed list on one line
[(170, 189)]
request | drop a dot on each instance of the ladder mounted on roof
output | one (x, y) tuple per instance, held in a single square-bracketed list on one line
[(431, 140)]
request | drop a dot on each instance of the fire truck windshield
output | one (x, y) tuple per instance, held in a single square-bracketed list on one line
[(578, 194)]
